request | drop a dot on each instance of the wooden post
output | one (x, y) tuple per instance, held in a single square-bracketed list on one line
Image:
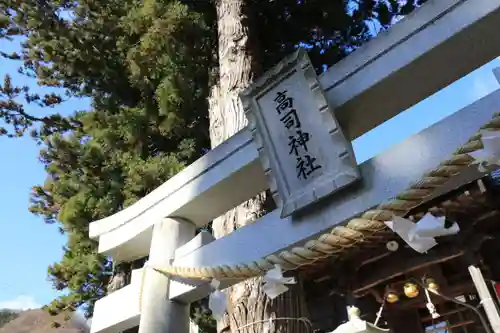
[(158, 313), (485, 296)]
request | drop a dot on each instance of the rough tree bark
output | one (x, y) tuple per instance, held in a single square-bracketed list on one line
[(238, 65)]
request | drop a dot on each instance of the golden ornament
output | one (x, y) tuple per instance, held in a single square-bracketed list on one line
[(391, 297), (432, 285), (411, 290)]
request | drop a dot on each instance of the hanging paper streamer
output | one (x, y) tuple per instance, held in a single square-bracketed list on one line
[(217, 302), (275, 283), (420, 236), (431, 226), (490, 154), (403, 228), (357, 325)]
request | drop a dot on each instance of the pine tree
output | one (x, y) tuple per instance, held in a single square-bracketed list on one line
[(143, 65), (93, 173)]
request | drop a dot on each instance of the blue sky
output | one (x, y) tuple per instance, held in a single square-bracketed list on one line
[(445, 102), (28, 245)]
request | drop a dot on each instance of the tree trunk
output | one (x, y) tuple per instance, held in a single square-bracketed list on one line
[(238, 65)]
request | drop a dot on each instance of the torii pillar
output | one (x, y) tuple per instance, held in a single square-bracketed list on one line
[(158, 313)]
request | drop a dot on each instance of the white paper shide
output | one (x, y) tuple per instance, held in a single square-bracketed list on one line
[(275, 283), (420, 236), (489, 156), (217, 302)]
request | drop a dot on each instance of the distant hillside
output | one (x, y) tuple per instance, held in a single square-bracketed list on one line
[(7, 315), (39, 321)]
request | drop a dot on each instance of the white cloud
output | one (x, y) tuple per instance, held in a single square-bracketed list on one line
[(21, 302)]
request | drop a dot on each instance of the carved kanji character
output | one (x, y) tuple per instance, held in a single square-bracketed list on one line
[(305, 166)]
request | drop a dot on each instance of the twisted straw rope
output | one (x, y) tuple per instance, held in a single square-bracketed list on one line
[(342, 237)]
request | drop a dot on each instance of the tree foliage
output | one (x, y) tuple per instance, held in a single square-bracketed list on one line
[(7, 316), (144, 65)]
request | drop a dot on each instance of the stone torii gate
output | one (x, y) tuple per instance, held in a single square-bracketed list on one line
[(415, 58)]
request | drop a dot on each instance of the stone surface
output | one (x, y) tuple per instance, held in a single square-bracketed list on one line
[(159, 314), (301, 146)]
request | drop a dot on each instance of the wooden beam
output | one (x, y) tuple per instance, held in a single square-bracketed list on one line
[(402, 264)]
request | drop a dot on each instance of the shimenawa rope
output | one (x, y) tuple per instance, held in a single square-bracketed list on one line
[(341, 237)]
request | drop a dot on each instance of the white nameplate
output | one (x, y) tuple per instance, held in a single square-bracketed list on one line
[(302, 148)]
